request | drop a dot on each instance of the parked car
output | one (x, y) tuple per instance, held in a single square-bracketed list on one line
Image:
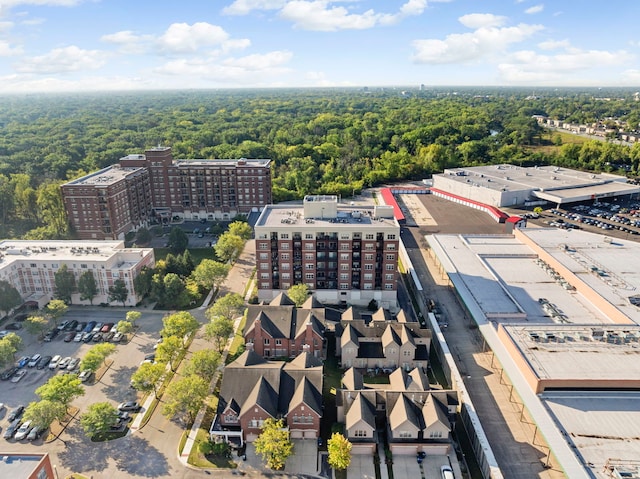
[(129, 406), (73, 364), (117, 338), (97, 337), (63, 324), (68, 337), (80, 326), (44, 362), (20, 373), (54, 361), (50, 335), (87, 337), (16, 413), (71, 325), (8, 374), (107, 337), (84, 376), (89, 327), (65, 362), (34, 360), (22, 362), (11, 429), (23, 431), (78, 337), (97, 327), (13, 326), (35, 433), (446, 472), (106, 327)]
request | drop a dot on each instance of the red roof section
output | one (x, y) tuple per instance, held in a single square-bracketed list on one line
[(497, 212), (389, 200)]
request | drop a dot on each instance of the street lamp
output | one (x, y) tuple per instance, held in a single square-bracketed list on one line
[(55, 470)]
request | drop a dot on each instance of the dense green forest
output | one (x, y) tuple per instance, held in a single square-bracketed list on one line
[(321, 141)]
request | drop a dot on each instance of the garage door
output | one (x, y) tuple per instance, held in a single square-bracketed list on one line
[(296, 434), (309, 434), (251, 437)]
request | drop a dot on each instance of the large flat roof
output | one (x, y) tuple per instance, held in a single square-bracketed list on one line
[(234, 163), (507, 282), (515, 178), (106, 176), (594, 354), (348, 217), (602, 425)]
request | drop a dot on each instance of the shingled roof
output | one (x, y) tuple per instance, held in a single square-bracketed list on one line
[(360, 410), (307, 394), (404, 412)]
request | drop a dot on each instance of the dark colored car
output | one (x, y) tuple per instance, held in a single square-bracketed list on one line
[(89, 327), (11, 429), (51, 334), (22, 362), (8, 374), (43, 362), (71, 325), (16, 413), (88, 337), (13, 326), (97, 337), (68, 337), (129, 406)]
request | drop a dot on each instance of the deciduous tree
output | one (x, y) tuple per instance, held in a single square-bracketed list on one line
[(87, 286), (9, 297), (204, 363), (99, 418), (241, 229), (147, 378), (229, 306), (62, 388), (65, 284), (119, 292), (210, 274), (178, 240), (36, 325), (185, 397), (229, 247), (43, 413), (180, 325), (218, 330), (298, 293), (169, 350), (339, 449), (274, 444)]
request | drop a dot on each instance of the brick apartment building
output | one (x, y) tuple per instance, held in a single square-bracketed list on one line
[(343, 253), (142, 189)]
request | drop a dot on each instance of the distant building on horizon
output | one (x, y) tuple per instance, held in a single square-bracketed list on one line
[(154, 188)]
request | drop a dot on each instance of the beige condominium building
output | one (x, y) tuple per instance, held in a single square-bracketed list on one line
[(154, 187), (30, 266), (343, 253)]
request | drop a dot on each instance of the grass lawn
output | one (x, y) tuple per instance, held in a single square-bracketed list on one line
[(237, 345), (379, 379), (196, 458)]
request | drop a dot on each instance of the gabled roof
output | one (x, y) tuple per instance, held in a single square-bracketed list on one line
[(415, 380), (233, 406), (248, 358), (349, 314), (282, 300), (264, 396), (352, 380), (349, 335), (304, 360), (403, 412), (390, 337), (277, 322), (433, 412), (360, 410), (380, 315), (312, 302), (306, 394), (401, 317), (303, 317), (406, 336)]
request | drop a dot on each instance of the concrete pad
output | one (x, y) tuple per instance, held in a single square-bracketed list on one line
[(305, 457), (361, 467), (406, 466)]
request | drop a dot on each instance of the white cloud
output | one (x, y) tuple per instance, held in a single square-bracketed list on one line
[(185, 38), (179, 38), (528, 66), (554, 44), (260, 62), (482, 20), (62, 60), (534, 9), (6, 50), (487, 40), (243, 7), (325, 15)]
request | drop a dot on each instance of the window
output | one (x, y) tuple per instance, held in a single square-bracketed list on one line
[(388, 277), (344, 236), (264, 266), (368, 257), (368, 266), (264, 255), (391, 237), (263, 246), (286, 275), (344, 256), (284, 256), (309, 276), (309, 256), (278, 342), (435, 434), (33, 265), (404, 435), (388, 286), (406, 353), (391, 246), (83, 266), (308, 246), (344, 276), (344, 285), (359, 433), (286, 265), (284, 235), (344, 267), (230, 418), (264, 285), (266, 341), (368, 286), (369, 236), (391, 257), (310, 266), (308, 236), (284, 245), (264, 275), (390, 267), (368, 276)]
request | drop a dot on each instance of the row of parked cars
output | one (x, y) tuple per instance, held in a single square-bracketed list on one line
[(38, 361), (86, 332), (19, 430)]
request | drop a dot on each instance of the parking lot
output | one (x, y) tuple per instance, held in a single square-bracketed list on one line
[(113, 385)]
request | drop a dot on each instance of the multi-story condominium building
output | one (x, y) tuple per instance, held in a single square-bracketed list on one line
[(155, 187), (30, 266), (343, 253)]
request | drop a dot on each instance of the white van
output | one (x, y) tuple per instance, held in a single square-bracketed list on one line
[(54, 361), (446, 472)]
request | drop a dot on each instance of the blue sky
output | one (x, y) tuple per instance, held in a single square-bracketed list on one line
[(80, 45)]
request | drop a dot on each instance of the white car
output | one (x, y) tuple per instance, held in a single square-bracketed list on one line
[(64, 363), (73, 364), (54, 361), (34, 360), (23, 431), (78, 337), (18, 375)]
